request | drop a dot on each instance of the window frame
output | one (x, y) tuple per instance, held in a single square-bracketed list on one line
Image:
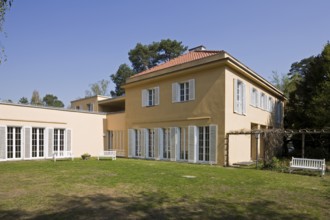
[(90, 107), (254, 97), (270, 104), (183, 91), (150, 97), (59, 140), (14, 145), (239, 97), (203, 144), (38, 143), (166, 144)]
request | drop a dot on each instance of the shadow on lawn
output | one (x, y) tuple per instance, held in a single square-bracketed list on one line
[(154, 206)]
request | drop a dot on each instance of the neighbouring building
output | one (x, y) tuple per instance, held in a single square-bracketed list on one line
[(180, 110), (31, 132)]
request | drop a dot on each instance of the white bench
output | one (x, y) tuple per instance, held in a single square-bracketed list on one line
[(107, 154), (62, 155), (308, 164)]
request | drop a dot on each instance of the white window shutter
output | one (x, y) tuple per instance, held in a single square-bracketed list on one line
[(175, 91), (257, 99), (157, 142), (157, 95), (50, 142), (178, 143), (252, 102), (244, 99), (236, 104), (172, 143), (160, 142), (46, 142), (192, 89), (68, 140), (3, 140), (131, 142), (192, 144), (144, 142), (144, 97), (213, 143), (279, 113), (27, 141)]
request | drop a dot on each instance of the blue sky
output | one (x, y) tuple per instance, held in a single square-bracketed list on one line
[(60, 47)]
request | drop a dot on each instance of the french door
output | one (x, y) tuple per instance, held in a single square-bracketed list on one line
[(14, 142), (38, 142)]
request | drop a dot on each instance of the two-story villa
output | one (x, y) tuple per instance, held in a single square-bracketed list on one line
[(181, 110)]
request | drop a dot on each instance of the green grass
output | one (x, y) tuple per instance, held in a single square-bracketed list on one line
[(140, 189)]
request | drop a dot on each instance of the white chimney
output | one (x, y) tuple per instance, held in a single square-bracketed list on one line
[(198, 48)]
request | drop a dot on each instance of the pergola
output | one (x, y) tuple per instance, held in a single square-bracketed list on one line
[(261, 132)]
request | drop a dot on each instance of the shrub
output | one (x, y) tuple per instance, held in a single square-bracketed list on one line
[(274, 164), (85, 156)]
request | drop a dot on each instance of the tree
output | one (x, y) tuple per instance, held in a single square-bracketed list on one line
[(98, 88), (4, 7), (170, 49), (35, 99), (51, 100), (23, 100), (144, 57), (309, 103), (285, 83), (119, 78)]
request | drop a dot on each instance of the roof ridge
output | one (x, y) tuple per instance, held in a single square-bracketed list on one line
[(184, 58)]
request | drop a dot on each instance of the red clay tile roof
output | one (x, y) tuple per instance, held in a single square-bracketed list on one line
[(185, 58)]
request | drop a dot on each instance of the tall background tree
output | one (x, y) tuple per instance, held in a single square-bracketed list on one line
[(98, 88), (309, 103), (52, 100), (23, 100), (35, 99), (119, 78), (4, 7), (144, 57)]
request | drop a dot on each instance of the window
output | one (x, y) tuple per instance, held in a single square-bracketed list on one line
[(151, 143), (166, 144), (183, 144), (270, 105), (263, 101), (254, 97), (90, 107), (37, 142), (150, 97), (239, 97), (279, 113), (14, 142), (58, 140), (115, 141), (138, 143), (204, 143), (183, 91)]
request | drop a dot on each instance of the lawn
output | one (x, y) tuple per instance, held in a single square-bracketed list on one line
[(140, 189)]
